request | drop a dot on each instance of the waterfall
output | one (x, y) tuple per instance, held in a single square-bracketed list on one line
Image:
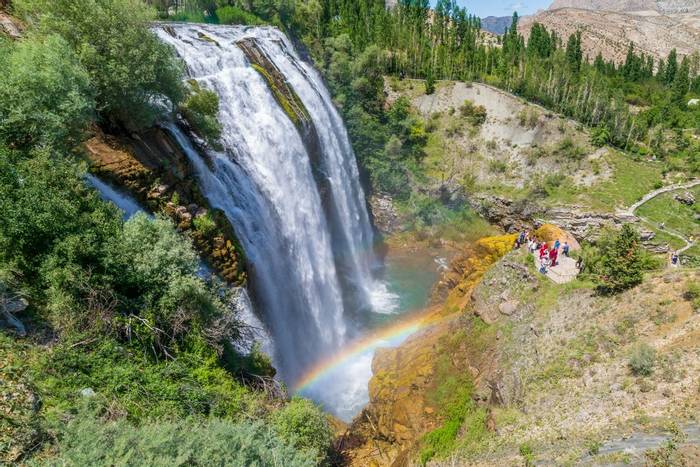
[(125, 202), (309, 250)]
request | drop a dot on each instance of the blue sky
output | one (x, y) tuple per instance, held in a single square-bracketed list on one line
[(484, 8)]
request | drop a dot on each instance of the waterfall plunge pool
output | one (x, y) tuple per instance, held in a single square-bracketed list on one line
[(339, 383)]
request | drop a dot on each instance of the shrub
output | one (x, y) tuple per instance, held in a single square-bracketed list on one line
[(430, 84), (642, 360), (475, 114), (87, 441), (692, 294), (232, 15), (304, 426), (46, 98), (201, 109), (600, 136), (527, 453), (204, 224)]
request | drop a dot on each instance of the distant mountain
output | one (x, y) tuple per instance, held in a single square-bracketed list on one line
[(496, 24), (608, 26), (666, 7)]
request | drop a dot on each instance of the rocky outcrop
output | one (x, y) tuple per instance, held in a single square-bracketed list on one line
[(152, 167), (12, 304), (582, 224), (511, 216), (386, 219), (10, 26)]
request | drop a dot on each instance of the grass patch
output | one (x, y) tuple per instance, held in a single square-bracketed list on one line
[(675, 215), (464, 422)]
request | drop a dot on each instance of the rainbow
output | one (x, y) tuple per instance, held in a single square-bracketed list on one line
[(396, 331)]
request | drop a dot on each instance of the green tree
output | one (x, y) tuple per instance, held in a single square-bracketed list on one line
[(574, 54), (620, 263), (46, 98), (671, 67), (303, 425), (681, 83), (131, 69)]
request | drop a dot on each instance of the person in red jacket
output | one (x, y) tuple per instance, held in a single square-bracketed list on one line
[(553, 254), (543, 250)]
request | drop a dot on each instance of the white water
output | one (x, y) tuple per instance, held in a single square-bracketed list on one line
[(303, 266), (125, 202)]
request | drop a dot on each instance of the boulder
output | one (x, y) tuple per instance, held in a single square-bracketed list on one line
[(550, 233), (686, 198), (509, 307)]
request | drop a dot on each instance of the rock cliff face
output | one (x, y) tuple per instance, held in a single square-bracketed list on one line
[(608, 26), (151, 166)]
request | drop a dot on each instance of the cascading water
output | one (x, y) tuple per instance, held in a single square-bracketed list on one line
[(127, 204), (308, 249)]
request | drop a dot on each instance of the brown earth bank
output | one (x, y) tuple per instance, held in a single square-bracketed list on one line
[(541, 372), (151, 166)]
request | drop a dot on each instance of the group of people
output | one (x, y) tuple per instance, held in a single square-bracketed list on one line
[(548, 256)]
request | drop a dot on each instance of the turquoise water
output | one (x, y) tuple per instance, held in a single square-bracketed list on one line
[(409, 277)]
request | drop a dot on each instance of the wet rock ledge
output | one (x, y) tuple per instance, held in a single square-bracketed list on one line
[(151, 166)]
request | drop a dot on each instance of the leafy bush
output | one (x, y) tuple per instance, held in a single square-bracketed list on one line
[(600, 136), (130, 68), (204, 224), (430, 84), (233, 15), (87, 441), (618, 262), (201, 109), (304, 426), (46, 98), (692, 294), (475, 114), (527, 453), (642, 360)]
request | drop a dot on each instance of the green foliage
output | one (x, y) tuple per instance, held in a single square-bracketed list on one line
[(129, 67), (46, 98), (229, 14), (88, 441), (475, 114), (301, 424), (618, 263), (201, 109), (692, 294), (527, 453), (600, 136), (642, 360), (205, 225), (430, 84)]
